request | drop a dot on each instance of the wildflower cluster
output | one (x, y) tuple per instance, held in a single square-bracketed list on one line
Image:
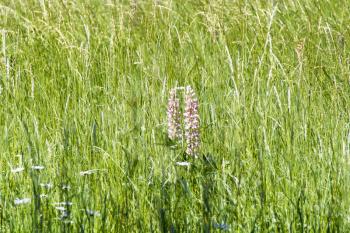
[(190, 119), (174, 126)]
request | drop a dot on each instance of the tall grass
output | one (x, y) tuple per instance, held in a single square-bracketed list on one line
[(84, 89)]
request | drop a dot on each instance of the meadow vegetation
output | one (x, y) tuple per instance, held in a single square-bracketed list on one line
[(84, 87)]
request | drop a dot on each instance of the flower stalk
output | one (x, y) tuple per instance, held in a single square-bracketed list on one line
[(190, 119), (174, 125)]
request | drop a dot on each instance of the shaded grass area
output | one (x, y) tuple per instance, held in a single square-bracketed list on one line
[(84, 85)]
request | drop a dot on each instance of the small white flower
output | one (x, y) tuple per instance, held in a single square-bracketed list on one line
[(48, 185), (93, 213), (38, 167), (64, 214), (60, 208), (22, 201), (65, 203), (17, 169), (66, 187), (89, 172), (184, 164)]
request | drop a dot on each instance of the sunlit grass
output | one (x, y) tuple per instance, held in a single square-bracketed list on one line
[(83, 122)]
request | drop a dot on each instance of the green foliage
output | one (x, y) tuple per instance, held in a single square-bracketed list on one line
[(84, 86)]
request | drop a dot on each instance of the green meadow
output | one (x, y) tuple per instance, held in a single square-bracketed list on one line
[(84, 88)]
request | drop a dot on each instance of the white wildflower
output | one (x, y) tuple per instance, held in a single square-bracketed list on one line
[(65, 203), (47, 186), (38, 167), (22, 201), (89, 172), (66, 187), (17, 169), (184, 164), (60, 208), (93, 213)]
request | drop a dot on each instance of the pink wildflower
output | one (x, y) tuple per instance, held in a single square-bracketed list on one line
[(174, 126), (191, 120)]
